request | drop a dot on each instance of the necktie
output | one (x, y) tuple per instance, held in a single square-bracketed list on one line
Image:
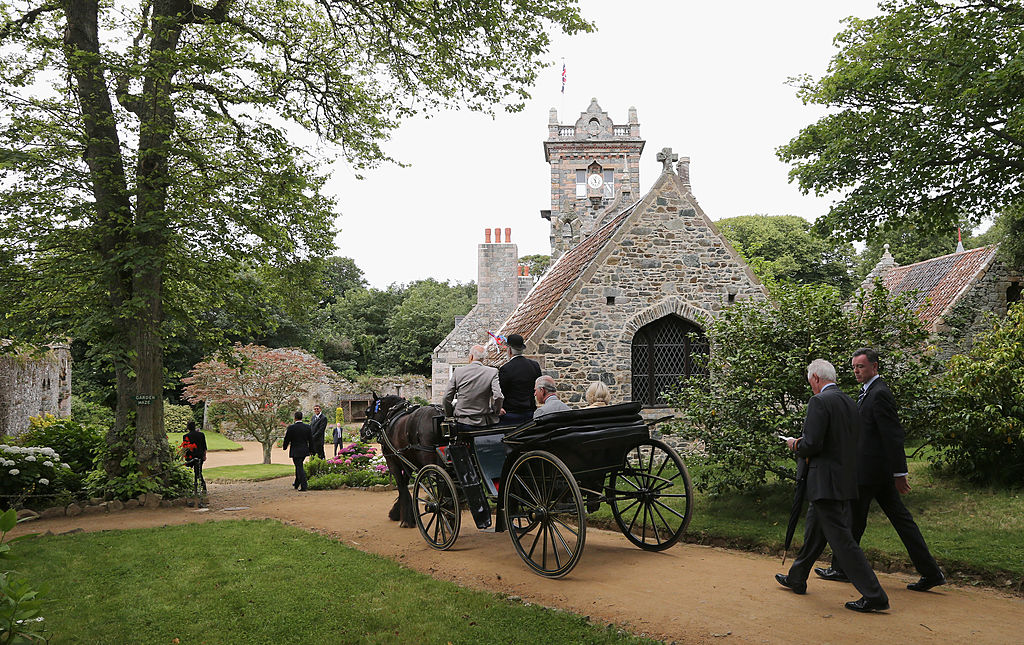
[(860, 397)]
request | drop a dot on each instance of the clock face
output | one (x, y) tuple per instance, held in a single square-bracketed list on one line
[(595, 181)]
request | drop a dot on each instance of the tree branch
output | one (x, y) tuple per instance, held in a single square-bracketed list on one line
[(26, 19)]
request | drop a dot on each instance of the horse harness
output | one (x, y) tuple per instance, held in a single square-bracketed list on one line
[(394, 414)]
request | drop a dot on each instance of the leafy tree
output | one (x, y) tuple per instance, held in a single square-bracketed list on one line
[(256, 387), (538, 263), (927, 118), (785, 247), (981, 432), (147, 155), (341, 275), (421, 322), (757, 388)]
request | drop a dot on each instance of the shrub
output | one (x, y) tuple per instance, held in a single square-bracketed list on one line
[(176, 416), (91, 414), (31, 475), (757, 388), (76, 444), (981, 435), (358, 464)]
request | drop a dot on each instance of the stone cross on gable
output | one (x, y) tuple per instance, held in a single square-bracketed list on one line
[(667, 158)]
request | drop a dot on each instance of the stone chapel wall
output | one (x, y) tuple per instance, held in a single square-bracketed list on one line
[(33, 384)]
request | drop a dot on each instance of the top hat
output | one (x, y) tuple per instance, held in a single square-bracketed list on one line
[(515, 341)]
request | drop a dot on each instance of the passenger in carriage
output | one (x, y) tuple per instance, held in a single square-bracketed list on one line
[(474, 395), (544, 389), (517, 378), (598, 395)]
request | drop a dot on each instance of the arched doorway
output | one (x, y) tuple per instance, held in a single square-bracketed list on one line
[(664, 352)]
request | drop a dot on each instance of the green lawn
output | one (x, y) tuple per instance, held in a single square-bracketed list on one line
[(214, 441), (971, 531), (262, 582), (249, 472)]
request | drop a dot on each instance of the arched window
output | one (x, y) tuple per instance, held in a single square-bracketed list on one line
[(664, 352)]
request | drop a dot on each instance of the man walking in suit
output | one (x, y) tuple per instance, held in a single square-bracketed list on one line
[(517, 377), (829, 446), (318, 426), (882, 473), (474, 394), (300, 438)]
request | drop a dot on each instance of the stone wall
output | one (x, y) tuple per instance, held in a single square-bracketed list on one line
[(974, 311), (666, 259), (32, 384)]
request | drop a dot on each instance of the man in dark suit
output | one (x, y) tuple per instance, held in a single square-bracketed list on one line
[(517, 377), (318, 426), (882, 474), (829, 446), (300, 438)]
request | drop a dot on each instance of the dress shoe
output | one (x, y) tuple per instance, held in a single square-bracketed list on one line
[(797, 587), (924, 584), (866, 606), (836, 575)]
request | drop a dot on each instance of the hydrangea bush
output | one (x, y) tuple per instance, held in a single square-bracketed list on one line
[(30, 474)]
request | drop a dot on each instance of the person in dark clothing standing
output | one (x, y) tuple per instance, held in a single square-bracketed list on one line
[(517, 377), (196, 455), (828, 451), (300, 438), (318, 426), (882, 474)]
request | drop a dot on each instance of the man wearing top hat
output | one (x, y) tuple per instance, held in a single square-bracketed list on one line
[(517, 377)]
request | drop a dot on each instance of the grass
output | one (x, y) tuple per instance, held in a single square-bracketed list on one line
[(249, 472), (215, 441), (259, 582), (973, 532)]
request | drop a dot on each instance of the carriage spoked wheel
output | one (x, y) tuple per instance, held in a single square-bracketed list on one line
[(544, 511), (651, 495), (438, 514)]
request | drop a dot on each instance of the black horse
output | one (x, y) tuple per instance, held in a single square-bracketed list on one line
[(408, 439)]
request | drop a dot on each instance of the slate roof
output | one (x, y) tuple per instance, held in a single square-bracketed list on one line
[(547, 293), (939, 282)]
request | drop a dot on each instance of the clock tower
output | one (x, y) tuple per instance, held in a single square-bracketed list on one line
[(595, 173)]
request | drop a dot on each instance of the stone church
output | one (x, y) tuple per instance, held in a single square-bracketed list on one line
[(635, 280)]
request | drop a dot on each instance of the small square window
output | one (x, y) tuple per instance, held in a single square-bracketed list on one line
[(609, 300)]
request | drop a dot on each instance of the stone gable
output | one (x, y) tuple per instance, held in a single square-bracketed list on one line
[(662, 257)]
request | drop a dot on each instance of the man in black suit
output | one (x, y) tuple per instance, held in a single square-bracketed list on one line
[(516, 378), (300, 438), (882, 474), (829, 446), (318, 426)]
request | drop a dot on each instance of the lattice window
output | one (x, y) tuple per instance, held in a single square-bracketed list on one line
[(665, 352)]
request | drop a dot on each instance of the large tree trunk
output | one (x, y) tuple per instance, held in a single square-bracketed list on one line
[(266, 450), (113, 212), (156, 117)]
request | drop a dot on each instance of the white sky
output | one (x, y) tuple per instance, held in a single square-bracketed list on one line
[(708, 79)]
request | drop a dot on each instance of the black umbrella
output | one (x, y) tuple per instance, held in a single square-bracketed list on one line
[(796, 510)]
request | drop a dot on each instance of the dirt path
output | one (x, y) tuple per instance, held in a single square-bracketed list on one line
[(690, 594)]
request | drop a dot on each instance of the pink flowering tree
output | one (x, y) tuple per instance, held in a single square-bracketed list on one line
[(257, 387)]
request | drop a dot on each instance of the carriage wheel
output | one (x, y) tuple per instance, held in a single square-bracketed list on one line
[(438, 514), (545, 514), (651, 496)]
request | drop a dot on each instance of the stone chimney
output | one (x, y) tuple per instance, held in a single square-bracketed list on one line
[(497, 267)]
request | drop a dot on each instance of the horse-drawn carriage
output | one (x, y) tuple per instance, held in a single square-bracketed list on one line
[(542, 478)]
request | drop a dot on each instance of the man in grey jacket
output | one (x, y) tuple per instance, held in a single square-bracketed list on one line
[(545, 391), (474, 395)]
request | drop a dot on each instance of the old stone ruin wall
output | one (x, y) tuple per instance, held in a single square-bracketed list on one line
[(973, 313), (33, 383)]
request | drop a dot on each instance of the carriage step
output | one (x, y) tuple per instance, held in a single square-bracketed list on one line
[(468, 478)]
